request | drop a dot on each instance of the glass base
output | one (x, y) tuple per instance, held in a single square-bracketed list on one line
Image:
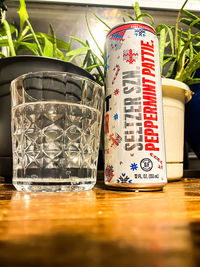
[(52, 188)]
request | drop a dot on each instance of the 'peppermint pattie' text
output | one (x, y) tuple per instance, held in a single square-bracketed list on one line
[(151, 137)]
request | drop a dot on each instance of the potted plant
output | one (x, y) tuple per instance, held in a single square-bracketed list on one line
[(179, 59), (42, 52), (192, 108), (183, 63)]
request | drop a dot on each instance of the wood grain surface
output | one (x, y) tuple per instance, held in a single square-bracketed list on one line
[(101, 227)]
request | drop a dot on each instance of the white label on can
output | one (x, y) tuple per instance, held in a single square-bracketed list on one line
[(134, 135)]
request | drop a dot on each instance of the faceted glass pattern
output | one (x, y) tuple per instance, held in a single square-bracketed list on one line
[(56, 143)]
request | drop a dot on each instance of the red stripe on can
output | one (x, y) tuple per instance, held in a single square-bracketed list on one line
[(131, 26)]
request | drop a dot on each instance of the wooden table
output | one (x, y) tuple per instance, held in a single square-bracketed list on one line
[(101, 227)]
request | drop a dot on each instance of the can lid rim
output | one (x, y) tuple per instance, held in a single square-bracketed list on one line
[(130, 22)]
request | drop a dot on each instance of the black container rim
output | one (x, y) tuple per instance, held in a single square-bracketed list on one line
[(26, 57), (11, 58)]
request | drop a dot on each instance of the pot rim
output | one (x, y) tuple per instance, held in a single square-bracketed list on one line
[(21, 58), (181, 85)]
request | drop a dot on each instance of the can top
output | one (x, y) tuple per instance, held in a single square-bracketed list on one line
[(131, 25)]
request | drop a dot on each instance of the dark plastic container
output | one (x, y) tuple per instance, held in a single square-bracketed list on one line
[(192, 118)]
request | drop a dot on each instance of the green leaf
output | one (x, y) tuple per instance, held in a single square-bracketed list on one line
[(193, 81), (191, 55), (78, 40), (87, 59), (162, 46), (3, 32), (93, 67), (167, 60), (23, 14), (77, 51), (180, 57), (196, 47), (169, 56), (74, 53), (86, 45), (4, 42), (172, 70), (190, 15), (24, 32), (190, 68), (59, 43), (35, 38), (88, 26), (188, 22), (53, 41), (25, 45), (100, 20), (48, 48), (2, 55), (60, 55), (188, 43), (186, 35), (10, 41), (176, 26), (169, 31), (194, 23), (137, 11), (145, 15), (98, 68), (93, 54), (128, 15)]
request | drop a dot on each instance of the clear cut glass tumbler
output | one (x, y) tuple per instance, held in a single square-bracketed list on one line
[(56, 123)]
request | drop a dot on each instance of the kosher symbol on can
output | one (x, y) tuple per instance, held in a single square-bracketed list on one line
[(146, 164)]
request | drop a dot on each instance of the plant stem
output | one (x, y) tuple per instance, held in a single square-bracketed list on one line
[(101, 20), (54, 41), (102, 54), (35, 38), (162, 47), (137, 11), (10, 41), (98, 68), (176, 27)]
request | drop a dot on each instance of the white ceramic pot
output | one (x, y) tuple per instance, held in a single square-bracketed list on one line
[(175, 95)]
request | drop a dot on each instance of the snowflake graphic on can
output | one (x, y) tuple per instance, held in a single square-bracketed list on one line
[(116, 140), (116, 116), (134, 166), (140, 33), (130, 56), (106, 65), (116, 92), (124, 179), (109, 172)]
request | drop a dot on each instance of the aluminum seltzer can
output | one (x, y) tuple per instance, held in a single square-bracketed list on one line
[(134, 127)]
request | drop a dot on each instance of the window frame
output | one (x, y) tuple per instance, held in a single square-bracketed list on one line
[(192, 5)]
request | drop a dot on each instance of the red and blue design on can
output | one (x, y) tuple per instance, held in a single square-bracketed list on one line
[(134, 127)]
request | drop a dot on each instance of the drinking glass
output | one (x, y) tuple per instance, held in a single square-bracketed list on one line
[(56, 123)]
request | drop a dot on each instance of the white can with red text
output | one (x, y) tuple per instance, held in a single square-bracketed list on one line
[(134, 126)]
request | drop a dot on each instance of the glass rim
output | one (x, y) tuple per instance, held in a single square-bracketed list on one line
[(80, 77)]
